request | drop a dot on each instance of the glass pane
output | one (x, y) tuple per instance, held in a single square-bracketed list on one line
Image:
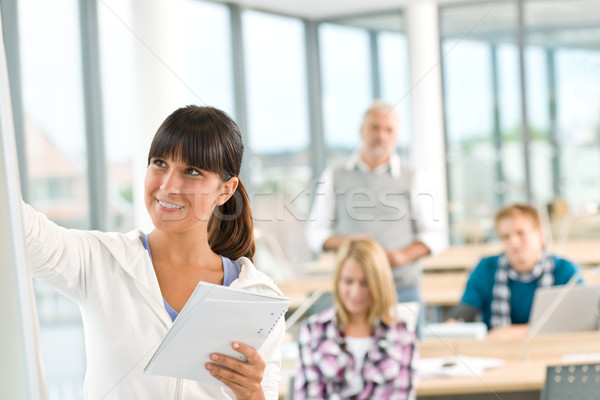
[(395, 82), (278, 138), (567, 33), (118, 80), (483, 115), (56, 162), (538, 116), (514, 184), (206, 66), (578, 119), (53, 105), (346, 83), (470, 141)]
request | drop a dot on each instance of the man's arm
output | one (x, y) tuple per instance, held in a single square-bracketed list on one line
[(322, 214), (412, 252), (428, 215)]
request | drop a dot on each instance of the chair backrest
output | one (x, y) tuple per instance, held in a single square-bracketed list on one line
[(577, 382), (409, 313)]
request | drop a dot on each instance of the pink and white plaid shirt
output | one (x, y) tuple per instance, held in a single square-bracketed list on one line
[(326, 366)]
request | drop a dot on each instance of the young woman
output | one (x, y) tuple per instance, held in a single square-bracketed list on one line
[(358, 350), (130, 287)]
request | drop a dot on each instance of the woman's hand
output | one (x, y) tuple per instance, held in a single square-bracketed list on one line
[(243, 378)]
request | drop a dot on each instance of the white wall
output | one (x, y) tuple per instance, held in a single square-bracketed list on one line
[(20, 376)]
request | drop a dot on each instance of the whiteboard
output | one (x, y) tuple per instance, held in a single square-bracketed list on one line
[(20, 362)]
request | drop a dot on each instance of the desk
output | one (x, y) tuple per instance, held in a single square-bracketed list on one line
[(443, 289), (446, 288), (466, 257), (517, 379), (517, 375), (439, 289), (299, 290), (583, 252)]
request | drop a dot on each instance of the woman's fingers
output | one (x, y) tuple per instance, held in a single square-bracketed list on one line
[(250, 353), (243, 378)]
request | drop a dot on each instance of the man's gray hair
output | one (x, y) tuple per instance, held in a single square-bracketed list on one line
[(380, 107)]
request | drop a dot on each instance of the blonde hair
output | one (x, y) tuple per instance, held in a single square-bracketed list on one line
[(518, 210), (378, 273)]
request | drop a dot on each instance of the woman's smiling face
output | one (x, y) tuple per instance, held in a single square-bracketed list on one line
[(353, 289), (179, 196)]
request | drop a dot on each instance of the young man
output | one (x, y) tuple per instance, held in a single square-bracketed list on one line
[(501, 287)]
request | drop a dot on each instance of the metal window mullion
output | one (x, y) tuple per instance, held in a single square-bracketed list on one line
[(375, 68), (10, 26), (553, 123), (239, 84), (449, 188), (94, 122), (524, 121), (315, 98), (497, 129)]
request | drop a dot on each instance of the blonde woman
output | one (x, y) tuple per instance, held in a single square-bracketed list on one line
[(358, 349)]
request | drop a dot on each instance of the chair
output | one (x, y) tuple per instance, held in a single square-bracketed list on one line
[(572, 382), (317, 302), (408, 312)]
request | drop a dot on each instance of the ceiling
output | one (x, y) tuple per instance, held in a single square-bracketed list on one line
[(328, 9), (574, 23)]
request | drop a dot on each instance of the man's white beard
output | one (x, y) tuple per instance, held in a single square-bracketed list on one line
[(379, 153)]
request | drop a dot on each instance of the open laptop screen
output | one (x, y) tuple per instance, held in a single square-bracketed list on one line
[(578, 311)]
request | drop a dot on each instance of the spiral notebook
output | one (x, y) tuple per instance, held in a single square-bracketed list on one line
[(213, 318)]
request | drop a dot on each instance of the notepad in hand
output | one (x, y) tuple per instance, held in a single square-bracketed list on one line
[(213, 318)]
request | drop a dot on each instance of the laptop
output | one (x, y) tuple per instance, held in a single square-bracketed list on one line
[(578, 310)]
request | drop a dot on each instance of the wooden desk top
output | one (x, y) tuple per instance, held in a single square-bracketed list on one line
[(517, 374), (444, 289), (438, 289), (466, 257), (583, 252), (514, 376)]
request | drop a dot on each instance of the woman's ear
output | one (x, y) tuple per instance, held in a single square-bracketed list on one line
[(227, 190)]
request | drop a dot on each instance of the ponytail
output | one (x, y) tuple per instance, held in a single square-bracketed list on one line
[(231, 227)]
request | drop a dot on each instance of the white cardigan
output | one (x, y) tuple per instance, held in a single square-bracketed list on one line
[(111, 277)]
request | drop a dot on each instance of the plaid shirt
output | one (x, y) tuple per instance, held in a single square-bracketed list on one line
[(326, 366)]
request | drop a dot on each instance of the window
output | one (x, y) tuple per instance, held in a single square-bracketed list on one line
[(562, 100), (565, 37), (278, 133), (205, 64), (394, 77), (53, 107), (56, 162), (118, 89), (541, 147), (347, 87), (485, 158), (471, 150)]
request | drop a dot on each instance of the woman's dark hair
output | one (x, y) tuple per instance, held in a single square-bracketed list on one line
[(207, 138)]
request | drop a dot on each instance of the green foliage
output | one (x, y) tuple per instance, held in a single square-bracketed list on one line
[(510, 135), (127, 193)]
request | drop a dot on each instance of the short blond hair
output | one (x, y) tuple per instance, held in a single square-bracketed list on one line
[(378, 273), (518, 210)]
